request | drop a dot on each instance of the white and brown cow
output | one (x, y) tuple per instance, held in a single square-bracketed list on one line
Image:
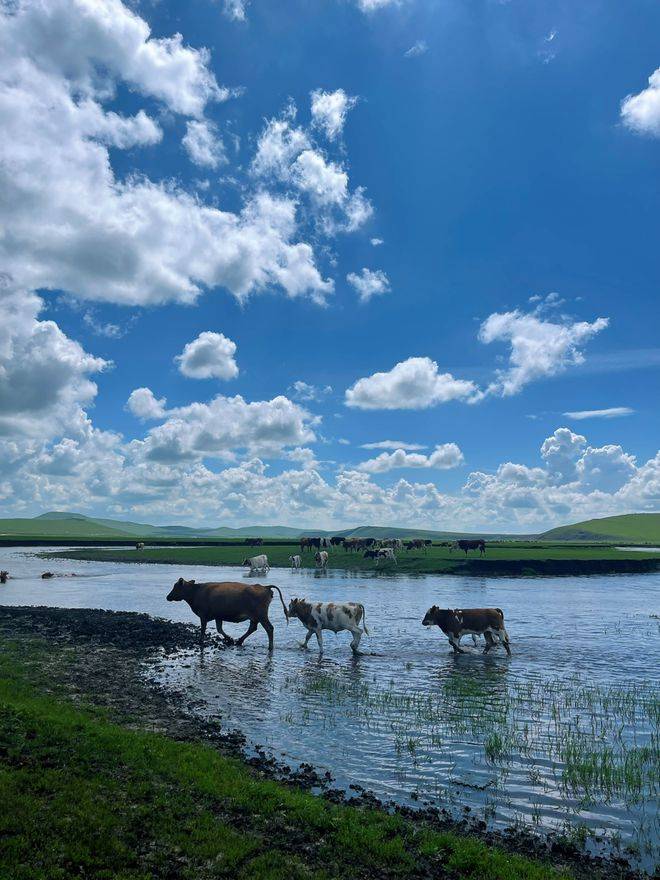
[(321, 559), (258, 564), (458, 622), (334, 616), (295, 561)]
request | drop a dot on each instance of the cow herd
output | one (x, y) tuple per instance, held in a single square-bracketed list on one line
[(231, 602)]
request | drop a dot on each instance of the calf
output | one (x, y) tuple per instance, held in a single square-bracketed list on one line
[(295, 561), (457, 622), (321, 559), (228, 602), (139, 545), (335, 616), (258, 564)]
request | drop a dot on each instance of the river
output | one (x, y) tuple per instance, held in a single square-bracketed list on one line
[(562, 735)]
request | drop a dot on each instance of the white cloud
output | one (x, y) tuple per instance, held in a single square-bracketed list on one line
[(235, 9), (561, 452), (287, 155), (641, 112), (225, 425), (538, 347), (606, 468), (443, 457), (376, 242), (143, 404), (417, 49), (393, 444), (415, 383), (304, 391), (369, 283), (613, 412), (75, 227), (329, 111), (209, 356), (373, 5), (44, 376), (202, 144)]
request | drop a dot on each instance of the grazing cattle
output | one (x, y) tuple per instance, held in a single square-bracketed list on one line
[(321, 559), (304, 544), (457, 622), (476, 544), (335, 616), (295, 561), (310, 544), (139, 545), (337, 541), (253, 542), (386, 553), (258, 564), (228, 602), (428, 542), (4, 575), (47, 574), (371, 554)]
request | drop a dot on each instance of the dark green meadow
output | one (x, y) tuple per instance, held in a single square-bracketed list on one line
[(523, 558)]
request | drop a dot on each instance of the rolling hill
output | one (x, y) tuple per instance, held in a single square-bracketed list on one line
[(641, 528)]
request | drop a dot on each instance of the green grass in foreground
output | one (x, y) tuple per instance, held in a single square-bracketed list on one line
[(435, 560), (84, 797)]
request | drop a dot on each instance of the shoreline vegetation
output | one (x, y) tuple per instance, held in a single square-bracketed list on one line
[(105, 774), (502, 559)]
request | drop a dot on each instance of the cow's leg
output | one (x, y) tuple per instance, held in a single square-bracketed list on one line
[(310, 633), (504, 638), (475, 640), (357, 635), (251, 628), (490, 641), (319, 639), (268, 626), (202, 631), (453, 641), (227, 639)]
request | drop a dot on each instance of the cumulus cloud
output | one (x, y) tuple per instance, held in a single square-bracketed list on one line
[(537, 347), (369, 283), (209, 356), (561, 452), (415, 383), (641, 112), (287, 154), (74, 225), (612, 412), (143, 404), (45, 379), (226, 425), (202, 144), (329, 111), (443, 457)]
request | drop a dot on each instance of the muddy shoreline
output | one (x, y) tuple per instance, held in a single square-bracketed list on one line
[(102, 658)]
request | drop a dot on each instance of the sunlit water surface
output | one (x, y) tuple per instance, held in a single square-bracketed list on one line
[(562, 735)]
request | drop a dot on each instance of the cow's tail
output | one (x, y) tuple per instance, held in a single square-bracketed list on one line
[(364, 619), (286, 613)]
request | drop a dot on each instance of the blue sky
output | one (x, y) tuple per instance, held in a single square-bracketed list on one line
[(439, 217)]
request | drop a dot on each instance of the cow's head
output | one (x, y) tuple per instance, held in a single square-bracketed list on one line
[(180, 590), (246, 562), (445, 618), (299, 608)]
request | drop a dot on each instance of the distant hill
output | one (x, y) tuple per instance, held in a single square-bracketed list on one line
[(640, 528), (58, 527)]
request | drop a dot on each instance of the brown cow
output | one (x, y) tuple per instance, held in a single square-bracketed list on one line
[(231, 602), (458, 622)]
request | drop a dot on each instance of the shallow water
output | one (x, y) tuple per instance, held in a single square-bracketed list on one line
[(562, 735)]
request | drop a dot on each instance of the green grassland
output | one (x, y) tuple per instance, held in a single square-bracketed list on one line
[(85, 797), (642, 528), (501, 558)]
